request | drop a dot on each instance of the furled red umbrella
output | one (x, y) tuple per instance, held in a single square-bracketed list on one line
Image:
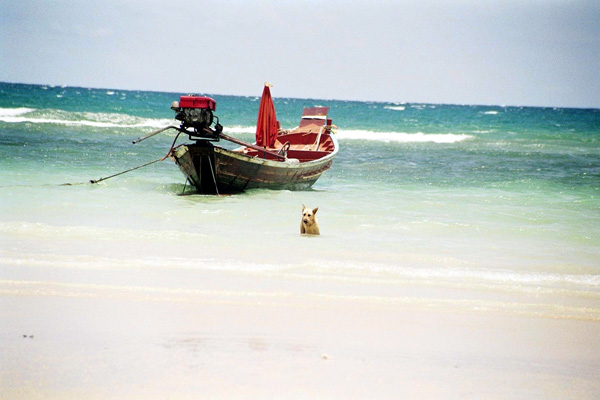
[(266, 126)]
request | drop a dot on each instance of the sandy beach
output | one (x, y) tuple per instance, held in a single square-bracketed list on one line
[(257, 337)]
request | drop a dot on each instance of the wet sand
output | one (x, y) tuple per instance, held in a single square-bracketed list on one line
[(237, 338)]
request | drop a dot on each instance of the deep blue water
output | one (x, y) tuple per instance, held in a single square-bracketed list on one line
[(381, 143)]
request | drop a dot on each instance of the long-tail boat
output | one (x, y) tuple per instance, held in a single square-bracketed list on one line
[(280, 159)]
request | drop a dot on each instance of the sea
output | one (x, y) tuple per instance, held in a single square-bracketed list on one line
[(471, 208)]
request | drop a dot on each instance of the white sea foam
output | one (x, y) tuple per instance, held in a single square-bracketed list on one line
[(457, 275), (402, 137), (150, 123), (12, 112), (491, 112), (331, 270), (239, 129), (395, 108), (497, 291), (365, 135), (113, 120), (99, 120)]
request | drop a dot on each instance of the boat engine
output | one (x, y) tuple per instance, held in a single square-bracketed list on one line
[(196, 113)]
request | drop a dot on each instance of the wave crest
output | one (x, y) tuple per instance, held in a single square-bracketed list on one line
[(59, 117), (402, 137), (114, 120), (13, 112)]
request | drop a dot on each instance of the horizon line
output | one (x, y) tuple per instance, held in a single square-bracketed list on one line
[(395, 102)]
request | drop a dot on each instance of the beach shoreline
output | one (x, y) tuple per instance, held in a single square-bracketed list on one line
[(253, 341)]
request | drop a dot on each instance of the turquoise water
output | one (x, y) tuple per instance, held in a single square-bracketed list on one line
[(488, 202)]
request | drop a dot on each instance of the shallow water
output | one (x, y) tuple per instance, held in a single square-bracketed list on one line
[(468, 206)]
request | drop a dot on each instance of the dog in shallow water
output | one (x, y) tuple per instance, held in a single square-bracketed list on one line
[(309, 224)]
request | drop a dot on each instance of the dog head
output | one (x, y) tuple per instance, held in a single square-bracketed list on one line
[(308, 215)]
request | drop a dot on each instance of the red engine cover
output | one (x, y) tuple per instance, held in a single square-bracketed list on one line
[(197, 102)]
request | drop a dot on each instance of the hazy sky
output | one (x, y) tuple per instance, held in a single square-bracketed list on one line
[(512, 52)]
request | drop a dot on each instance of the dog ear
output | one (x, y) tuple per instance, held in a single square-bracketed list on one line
[(315, 210), (303, 207)]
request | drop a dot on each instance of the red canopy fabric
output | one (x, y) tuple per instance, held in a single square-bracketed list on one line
[(266, 126)]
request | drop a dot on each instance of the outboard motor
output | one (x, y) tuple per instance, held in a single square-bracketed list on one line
[(196, 113)]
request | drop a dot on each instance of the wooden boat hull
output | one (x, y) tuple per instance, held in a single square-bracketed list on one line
[(214, 170)]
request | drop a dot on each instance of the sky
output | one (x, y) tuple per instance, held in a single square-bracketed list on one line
[(511, 52)]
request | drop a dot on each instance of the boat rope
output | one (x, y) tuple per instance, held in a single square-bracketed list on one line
[(126, 171), (185, 186), (92, 181), (213, 175)]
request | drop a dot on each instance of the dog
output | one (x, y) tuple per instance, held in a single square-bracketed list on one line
[(309, 224)]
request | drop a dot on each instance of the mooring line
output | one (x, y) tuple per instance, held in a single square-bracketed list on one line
[(127, 170), (213, 174), (92, 181)]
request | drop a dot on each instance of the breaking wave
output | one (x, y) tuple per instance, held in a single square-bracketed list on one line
[(9, 112), (59, 117), (364, 135), (240, 129), (114, 120), (402, 137)]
